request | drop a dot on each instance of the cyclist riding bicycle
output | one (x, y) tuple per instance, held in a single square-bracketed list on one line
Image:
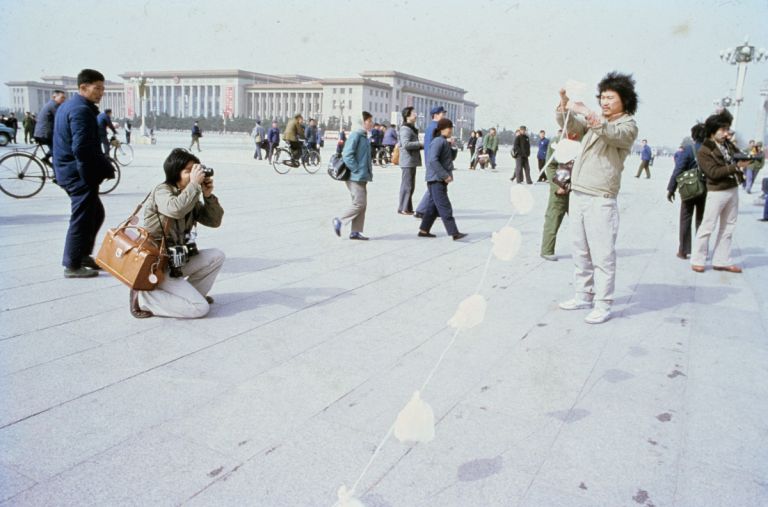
[(294, 134)]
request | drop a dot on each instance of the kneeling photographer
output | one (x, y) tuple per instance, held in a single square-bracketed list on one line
[(174, 209)]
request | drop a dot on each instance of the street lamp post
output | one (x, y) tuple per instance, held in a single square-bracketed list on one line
[(461, 121), (741, 56), (141, 91)]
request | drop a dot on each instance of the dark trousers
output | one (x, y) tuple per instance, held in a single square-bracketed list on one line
[(27, 135), (492, 154), (471, 152), (522, 164), (84, 224), (271, 150), (295, 150), (105, 146), (407, 185), (543, 176), (688, 210), (438, 204), (127, 138), (644, 166)]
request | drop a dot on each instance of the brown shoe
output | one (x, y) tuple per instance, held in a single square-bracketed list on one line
[(730, 269), (681, 255), (698, 269), (135, 310)]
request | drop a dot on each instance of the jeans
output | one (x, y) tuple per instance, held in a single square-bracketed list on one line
[(492, 154), (438, 204), (84, 224), (407, 184)]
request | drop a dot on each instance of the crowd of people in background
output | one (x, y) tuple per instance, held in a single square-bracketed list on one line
[(709, 169)]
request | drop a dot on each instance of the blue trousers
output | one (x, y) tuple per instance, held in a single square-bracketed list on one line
[(84, 224), (438, 204)]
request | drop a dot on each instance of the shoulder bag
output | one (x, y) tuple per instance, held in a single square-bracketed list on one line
[(130, 254), (690, 182), (337, 169)]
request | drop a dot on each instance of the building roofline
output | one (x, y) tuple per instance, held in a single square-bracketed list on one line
[(394, 73), (34, 83), (238, 73), (355, 81)]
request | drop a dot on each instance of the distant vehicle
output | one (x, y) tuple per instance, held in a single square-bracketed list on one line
[(6, 134)]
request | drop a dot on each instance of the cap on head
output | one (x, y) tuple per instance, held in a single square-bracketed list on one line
[(436, 110)]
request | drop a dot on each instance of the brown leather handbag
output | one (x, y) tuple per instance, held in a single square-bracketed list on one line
[(130, 254)]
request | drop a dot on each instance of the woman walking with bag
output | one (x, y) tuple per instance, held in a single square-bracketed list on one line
[(691, 206), (357, 158), (410, 159), (723, 177)]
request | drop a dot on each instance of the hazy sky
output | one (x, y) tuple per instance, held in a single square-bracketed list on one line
[(512, 56)]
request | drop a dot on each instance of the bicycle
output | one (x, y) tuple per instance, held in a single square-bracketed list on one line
[(122, 153), (381, 156), (23, 174), (283, 161), (311, 157)]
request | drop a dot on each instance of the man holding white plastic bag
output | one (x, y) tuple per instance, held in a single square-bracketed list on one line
[(607, 140)]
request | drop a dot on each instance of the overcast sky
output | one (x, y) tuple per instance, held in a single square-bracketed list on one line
[(512, 56)]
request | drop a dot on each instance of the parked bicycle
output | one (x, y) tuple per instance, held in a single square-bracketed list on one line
[(23, 174), (121, 152), (283, 161)]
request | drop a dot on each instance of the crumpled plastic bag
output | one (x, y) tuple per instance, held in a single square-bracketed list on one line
[(416, 421), (521, 198), (346, 499), (566, 150), (506, 243), (470, 313)]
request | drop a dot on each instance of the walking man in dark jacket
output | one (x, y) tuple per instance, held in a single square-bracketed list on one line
[(439, 175), (645, 161), (273, 137), (438, 113), (80, 166), (522, 151), (196, 135), (541, 154)]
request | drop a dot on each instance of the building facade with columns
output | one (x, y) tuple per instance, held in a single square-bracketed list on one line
[(239, 93)]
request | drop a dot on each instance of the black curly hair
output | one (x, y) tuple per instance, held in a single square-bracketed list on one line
[(697, 133), (624, 85), (715, 122)]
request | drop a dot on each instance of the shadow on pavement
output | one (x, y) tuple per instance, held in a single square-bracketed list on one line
[(251, 264), (297, 298), (657, 296)]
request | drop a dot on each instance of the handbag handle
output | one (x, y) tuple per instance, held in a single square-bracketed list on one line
[(127, 225)]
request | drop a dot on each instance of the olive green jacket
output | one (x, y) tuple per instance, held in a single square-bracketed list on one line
[(183, 208)]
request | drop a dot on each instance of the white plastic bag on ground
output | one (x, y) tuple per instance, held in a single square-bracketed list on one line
[(416, 421), (470, 312), (506, 243)]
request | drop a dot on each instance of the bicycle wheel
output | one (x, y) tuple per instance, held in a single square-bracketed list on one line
[(123, 154), (281, 160), (383, 157), (21, 175), (109, 185), (313, 162)]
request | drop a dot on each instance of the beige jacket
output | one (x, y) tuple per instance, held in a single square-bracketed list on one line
[(604, 149), (184, 209)]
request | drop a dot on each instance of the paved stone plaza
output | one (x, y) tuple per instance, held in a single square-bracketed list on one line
[(314, 345)]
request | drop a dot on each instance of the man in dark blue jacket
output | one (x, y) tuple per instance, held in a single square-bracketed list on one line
[(80, 166), (438, 175), (438, 113), (541, 154), (273, 137), (645, 160)]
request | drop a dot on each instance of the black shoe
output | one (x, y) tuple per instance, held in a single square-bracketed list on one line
[(762, 219), (358, 236), (88, 262), (418, 215), (81, 272), (423, 234), (209, 299), (459, 235), (136, 311)]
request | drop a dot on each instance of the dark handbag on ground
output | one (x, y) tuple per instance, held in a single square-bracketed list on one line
[(130, 254), (690, 183), (337, 169)]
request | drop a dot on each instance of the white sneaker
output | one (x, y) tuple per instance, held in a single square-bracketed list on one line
[(575, 304), (598, 316)]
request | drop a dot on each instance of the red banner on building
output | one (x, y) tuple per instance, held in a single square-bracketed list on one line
[(129, 109), (229, 104)]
